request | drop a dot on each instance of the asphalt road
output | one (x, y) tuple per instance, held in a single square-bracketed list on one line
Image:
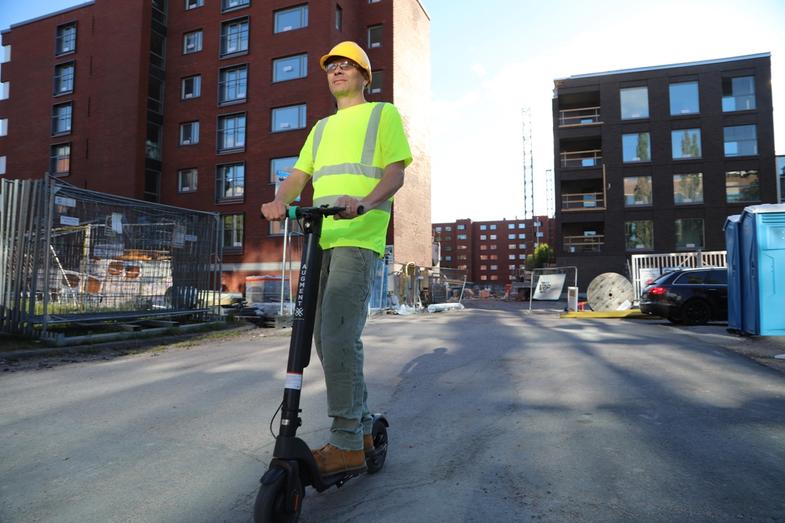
[(496, 415)]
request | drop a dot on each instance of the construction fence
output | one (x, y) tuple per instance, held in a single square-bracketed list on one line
[(70, 255)]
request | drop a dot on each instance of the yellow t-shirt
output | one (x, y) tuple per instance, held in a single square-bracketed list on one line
[(348, 161)]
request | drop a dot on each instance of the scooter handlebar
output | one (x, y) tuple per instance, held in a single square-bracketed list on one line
[(294, 212)]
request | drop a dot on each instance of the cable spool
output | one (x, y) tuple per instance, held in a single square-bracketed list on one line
[(610, 291)]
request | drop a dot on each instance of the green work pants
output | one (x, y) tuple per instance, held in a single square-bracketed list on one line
[(344, 292)]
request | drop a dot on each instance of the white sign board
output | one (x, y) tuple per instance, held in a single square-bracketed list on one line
[(648, 275), (549, 287)]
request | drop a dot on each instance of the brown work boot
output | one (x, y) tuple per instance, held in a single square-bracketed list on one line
[(367, 443), (332, 460)]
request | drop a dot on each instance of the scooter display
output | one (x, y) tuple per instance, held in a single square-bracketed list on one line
[(293, 467)]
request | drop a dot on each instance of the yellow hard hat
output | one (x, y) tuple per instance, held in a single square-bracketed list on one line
[(351, 51)]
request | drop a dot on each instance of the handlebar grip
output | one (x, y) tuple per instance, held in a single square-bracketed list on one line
[(360, 210)]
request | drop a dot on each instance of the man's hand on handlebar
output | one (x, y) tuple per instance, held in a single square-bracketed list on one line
[(353, 207), (274, 210)]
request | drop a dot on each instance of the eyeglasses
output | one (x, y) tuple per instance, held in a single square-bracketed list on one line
[(342, 64)]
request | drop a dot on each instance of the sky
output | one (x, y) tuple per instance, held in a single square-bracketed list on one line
[(492, 58)]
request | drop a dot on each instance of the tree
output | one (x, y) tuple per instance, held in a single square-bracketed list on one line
[(542, 254)]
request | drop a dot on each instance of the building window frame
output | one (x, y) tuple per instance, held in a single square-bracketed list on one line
[(59, 158), (193, 4), (730, 98), (629, 113), (680, 243), (196, 87), (677, 95), (233, 79), (338, 17), (691, 197), (639, 240), (638, 150), (189, 133), (234, 5), (64, 78), (278, 112), (686, 148), (278, 26), (733, 187), (301, 67), (230, 182), (237, 132), (65, 38), (64, 118), (234, 224), (187, 180), (734, 148), (193, 41), (238, 38), (375, 36)]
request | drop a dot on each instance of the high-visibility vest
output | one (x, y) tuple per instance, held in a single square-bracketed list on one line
[(341, 167)]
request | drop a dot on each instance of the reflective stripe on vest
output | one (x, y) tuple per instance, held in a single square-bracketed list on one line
[(365, 167)]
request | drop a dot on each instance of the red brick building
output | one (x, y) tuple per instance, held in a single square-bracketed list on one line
[(492, 253), (204, 104)]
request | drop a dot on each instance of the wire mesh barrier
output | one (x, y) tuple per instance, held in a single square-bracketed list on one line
[(73, 255)]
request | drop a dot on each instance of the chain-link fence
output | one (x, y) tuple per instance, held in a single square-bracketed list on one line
[(72, 255)]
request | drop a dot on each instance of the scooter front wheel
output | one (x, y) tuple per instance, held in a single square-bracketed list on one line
[(274, 506)]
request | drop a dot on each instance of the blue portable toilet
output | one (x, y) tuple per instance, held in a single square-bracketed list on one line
[(733, 248), (763, 269)]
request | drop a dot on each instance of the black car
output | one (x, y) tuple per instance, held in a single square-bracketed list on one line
[(692, 296)]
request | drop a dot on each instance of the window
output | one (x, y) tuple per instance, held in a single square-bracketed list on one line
[(3, 126), (483, 247), (5, 90), (157, 49), (291, 19), (374, 1), (290, 68), (377, 80), (692, 278), (230, 182), (289, 118), (64, 78), (461, 237), (152, 145), (512, 246), (192, 42), (689, 233), (511, 236), (493, 227), (742, 186), (483, 227), (233, 232), (511, 267), (375, 36), (639, 235), (338, 18), (494, 267), (193, 4), (740, 140), (521, 225), (231, 132), (637, 191), (152, 185), (684, 98), (511, 226), (686, 144), (448, 258), (234, 37), (61, 118), (511, 257), (448, 228), (60, 159), (634, 103), (636, 147), (687, 188), (233, 84), (2, 165), (483, 237), (227, 5), (493, 236), (522, 246), (521, 256), (280, 168), (493, 246), (186, 180), (66, 39), (155, 94), (738, 94), (522, 236), (189, 133), (191, 87)]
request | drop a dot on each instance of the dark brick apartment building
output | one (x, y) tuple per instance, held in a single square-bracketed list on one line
[(491, 253), (204, 104), (652, 160)]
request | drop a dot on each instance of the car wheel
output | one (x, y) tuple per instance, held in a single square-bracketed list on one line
[(696, 312)]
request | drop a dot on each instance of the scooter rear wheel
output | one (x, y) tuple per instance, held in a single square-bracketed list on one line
[(270, 506), (376, 461)]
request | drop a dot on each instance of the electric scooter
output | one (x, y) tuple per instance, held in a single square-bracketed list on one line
[(293, 466)]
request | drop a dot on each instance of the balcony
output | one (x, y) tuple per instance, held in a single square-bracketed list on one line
[(581, 159), (580, 116), (583, 244), (594, 201)]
